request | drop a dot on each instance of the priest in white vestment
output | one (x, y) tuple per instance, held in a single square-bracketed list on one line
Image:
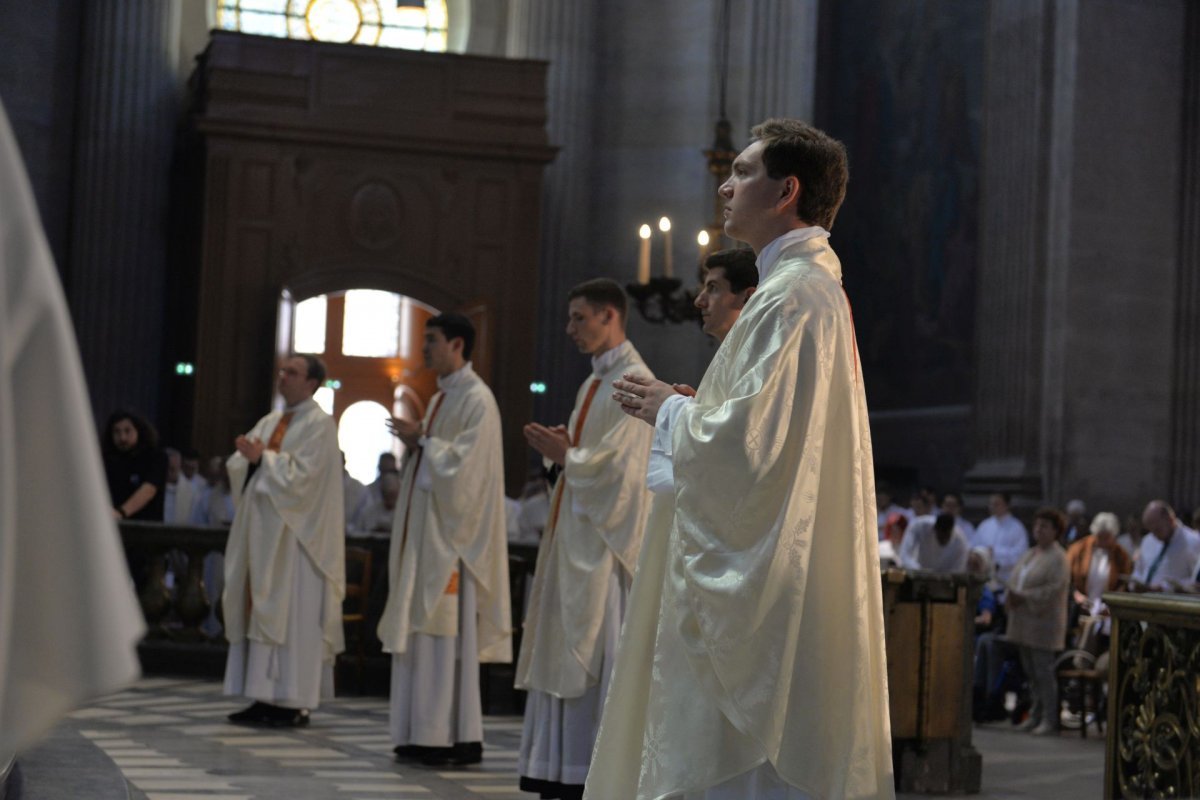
[(752, 664), (285, 572), (448, 607), (587, 554), (69, 621)]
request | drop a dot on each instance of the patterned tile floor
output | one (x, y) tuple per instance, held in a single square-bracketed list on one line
[(170, 740)]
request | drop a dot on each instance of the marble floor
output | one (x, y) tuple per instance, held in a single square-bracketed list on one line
[(170, 741)]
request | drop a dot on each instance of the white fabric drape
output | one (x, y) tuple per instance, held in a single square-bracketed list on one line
[(69, 621), (755, 632)]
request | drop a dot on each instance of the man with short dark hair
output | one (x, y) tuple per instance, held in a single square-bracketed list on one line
[(752, 662), (730, 278), (587, 555), (448, 600), (285, 573), (934, 544)]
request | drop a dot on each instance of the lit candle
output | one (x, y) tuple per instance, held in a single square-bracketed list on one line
[(702, 240), (664, 225), (643, 274)]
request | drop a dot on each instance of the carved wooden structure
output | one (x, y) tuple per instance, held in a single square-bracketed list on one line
[(321, 168)]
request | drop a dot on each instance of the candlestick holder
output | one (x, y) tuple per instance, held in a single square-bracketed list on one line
[(662, 300)]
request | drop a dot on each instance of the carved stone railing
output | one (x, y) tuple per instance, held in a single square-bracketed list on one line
[(1153, 747)]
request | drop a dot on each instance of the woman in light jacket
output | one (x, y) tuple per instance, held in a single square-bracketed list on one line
[(1037, 616)]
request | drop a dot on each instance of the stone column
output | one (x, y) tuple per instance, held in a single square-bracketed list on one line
[(1185, 416), (1084, 321), (781, 60), (117, 262), (565, 35)]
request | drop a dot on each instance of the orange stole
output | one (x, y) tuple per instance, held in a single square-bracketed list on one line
[(276, 440), (558, 492)]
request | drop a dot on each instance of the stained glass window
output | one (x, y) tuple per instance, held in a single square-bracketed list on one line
[(383, 23)]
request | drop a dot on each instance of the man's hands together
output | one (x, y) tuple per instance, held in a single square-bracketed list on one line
[(642, 397)]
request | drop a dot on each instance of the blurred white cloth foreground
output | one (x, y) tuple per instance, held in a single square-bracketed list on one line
[(69, 620)]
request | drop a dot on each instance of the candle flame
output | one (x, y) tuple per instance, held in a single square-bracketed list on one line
[(664, 224), (644, 231), (702, 238)]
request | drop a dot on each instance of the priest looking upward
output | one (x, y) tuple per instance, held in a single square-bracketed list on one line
[(752, 664), (448, 603), (285, 573), (587, 554)]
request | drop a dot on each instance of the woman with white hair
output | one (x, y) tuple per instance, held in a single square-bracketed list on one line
[(1096, 562)]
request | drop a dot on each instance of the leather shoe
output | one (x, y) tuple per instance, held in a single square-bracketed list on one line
[(256, 714)]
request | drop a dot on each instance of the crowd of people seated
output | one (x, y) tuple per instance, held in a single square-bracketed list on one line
[(173, 485), (1043, 588)]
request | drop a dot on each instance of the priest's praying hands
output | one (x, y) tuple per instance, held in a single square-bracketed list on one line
[(408, 431), (552, 443), (642, 397), (251, 449)]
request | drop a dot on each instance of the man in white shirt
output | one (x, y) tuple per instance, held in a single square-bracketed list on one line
[(934, 544), (285, 572), (952, 504), (1168, 553), (1003, 534), (179, 494), (760, 581), (587, 554)]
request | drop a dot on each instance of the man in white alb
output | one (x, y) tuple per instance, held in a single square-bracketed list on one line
[(752, 663), (448, 603), (285, 571), (1003, 534), (587, 554)]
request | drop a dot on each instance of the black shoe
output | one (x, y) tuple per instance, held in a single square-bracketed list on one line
[(289, 717), (436, 756), (463, 754), (256, 714), (407, 752)]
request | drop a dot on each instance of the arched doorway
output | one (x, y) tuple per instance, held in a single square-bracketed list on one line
[(370, 341)]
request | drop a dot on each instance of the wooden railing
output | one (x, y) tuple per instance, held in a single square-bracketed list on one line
[(1153, 747)]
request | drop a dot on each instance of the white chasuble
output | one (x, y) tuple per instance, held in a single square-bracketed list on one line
[(597, 518), (451, 509), (755, 633), (292, 502), (69, 621)]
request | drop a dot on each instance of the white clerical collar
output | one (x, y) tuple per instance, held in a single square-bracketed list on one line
[(770, 254), (456, 379), (604, 362)]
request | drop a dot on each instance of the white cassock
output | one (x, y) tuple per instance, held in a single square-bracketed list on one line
[(1006, 537), (584, 567), (752, 663), (448, 605), (921, 549), (69, 621), (285, 561)]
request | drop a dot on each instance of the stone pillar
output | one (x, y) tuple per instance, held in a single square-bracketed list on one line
[(1080, 252), (565, 35), (117, 262), (1185, 416), (781, 60)]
